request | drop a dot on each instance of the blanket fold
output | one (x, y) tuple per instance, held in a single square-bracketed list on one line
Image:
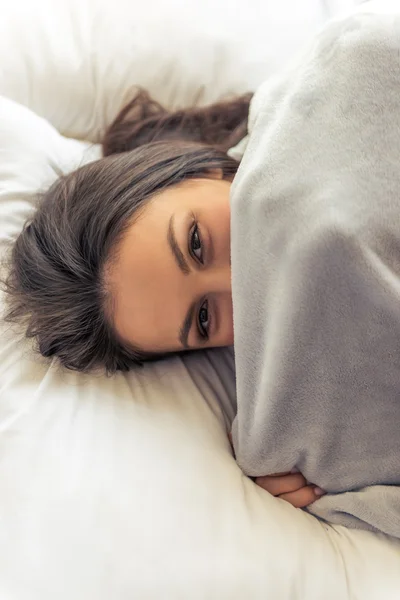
[(316, 274)]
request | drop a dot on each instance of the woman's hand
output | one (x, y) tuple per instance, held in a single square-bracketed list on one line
[(291, 487)]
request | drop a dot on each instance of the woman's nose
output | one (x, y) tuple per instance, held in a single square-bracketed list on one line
[(216, 280)]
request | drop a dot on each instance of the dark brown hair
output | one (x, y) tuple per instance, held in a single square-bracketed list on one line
[(221, 125), (56, 284)]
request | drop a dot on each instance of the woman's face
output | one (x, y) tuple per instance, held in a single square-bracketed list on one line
[(171, 280)]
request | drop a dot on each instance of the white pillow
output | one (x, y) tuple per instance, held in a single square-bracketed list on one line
[(125, 487), (76, 62)]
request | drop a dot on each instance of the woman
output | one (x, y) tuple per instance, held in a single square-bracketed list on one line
[(128, 258)]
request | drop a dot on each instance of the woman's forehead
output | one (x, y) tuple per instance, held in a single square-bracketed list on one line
[(146, 285)]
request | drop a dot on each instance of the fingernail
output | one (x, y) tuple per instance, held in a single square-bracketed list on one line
[(318, 491), (294, 470)]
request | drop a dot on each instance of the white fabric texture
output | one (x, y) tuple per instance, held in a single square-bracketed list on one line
[(126, 487), (75, 62)]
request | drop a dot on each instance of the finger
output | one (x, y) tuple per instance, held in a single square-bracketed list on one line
[(302, 497), (281, 485)]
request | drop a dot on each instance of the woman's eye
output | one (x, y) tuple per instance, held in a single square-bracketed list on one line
[(203, 319), (195, 244)]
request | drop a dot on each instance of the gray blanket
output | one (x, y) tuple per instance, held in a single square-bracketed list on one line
[(316, 275)]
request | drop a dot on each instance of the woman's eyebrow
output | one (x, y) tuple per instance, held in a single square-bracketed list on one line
[(176, 251), (187, 326)]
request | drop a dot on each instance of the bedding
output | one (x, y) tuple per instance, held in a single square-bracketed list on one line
[(316, 275), (76, 62), (125, 487)]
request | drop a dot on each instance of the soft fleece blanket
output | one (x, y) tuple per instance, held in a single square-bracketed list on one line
[(316, 275)]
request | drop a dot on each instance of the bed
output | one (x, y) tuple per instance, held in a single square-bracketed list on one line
[(126, 487)]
